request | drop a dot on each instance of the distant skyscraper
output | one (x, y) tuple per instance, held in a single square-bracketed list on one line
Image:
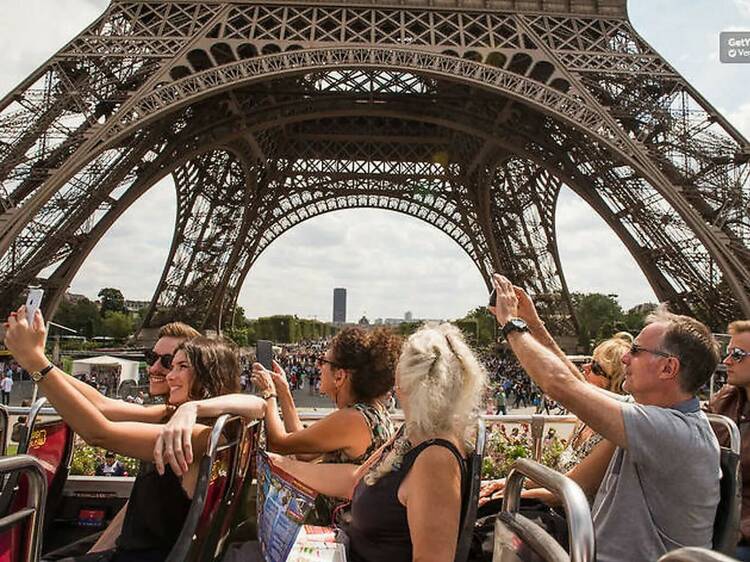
[(408, 316), (339, 306)]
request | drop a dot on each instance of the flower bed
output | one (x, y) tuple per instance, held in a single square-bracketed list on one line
[(504, 447)]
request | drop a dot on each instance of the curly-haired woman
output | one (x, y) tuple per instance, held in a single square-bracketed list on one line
[(356, 373), (159, 501)]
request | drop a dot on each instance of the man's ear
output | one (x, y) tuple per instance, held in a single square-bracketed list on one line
[(671, 368)]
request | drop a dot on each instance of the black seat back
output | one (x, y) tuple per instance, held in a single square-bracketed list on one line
[(470, 495), (3, 430), (727, 521)]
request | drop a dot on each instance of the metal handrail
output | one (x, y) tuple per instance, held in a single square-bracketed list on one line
[(732, 430), (37, 498), (693, 554), (576, 506)]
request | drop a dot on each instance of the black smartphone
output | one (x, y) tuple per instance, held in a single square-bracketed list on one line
[(264, 353), (493, 297)]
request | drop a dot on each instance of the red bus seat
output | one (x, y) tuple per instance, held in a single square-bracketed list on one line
[(51, 443), (22, 543)]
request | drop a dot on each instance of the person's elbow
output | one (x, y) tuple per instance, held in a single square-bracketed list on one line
[(559, 385)]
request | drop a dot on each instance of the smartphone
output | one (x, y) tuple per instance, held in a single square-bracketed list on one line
[(264, 353), (33, 300), (493, 297)]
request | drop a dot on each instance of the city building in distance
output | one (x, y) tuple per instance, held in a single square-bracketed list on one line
[(339, 306)]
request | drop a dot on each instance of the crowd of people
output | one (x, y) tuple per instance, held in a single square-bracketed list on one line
[(643, 451)]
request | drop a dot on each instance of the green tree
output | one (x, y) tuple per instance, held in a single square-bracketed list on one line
[(111, 300), (117, 325), (82, 316), (599, 316)]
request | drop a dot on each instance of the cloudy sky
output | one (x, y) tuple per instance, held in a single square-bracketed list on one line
[(389, 263)]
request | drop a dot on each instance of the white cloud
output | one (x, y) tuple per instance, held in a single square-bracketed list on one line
[(743, 6), (740, 118)]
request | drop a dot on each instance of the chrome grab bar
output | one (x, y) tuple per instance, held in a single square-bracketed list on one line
[(37, 498), (731, 427), (577, 512), (692, 554)]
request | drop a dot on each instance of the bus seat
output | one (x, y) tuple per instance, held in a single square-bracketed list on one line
[(245, 470), (471, 494), (51, 442), (4, 429), (693, 554), (517, 539), (727, 521), (212, 499), (23, 542)]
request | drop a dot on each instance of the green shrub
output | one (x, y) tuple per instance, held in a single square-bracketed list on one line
[(86, 458)]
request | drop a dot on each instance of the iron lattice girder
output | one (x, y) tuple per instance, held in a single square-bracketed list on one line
[(589, 79)]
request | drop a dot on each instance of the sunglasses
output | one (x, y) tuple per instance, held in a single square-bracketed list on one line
[(737, 354), (597, 369), (165, 360), (320, 360), (635, 349)]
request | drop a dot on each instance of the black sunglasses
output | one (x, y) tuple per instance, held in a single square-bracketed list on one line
[(635, 349), (165, 360), (597, 369), (319, 360), (737, 354)]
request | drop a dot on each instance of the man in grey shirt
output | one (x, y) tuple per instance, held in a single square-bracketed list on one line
[(661, 489)]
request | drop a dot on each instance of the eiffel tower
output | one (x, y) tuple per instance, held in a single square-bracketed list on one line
[(468, 114)]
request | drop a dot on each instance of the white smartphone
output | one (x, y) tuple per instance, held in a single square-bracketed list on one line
[(33, 300)]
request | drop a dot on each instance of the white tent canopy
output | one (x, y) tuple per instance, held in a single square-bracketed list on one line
[(128, 369)]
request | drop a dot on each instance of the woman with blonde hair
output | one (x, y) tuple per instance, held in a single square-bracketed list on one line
[(407, 498)]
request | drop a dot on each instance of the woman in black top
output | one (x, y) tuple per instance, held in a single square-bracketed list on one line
[(406, 499), (201, 368)]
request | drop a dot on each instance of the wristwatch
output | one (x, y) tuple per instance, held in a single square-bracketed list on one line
[(266, 394), (36, 376), (514, 325)]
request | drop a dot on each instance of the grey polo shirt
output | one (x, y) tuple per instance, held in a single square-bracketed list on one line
[(661, 492)]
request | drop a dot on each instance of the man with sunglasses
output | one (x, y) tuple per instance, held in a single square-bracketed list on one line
[(661, 488), (159, 361), (732, 401)]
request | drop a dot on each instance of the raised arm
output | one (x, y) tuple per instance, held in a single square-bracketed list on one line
[(292, 422), (118, 410), (602, 413), (133, 439), (343, 429), (174, 445), (527, 311), (336, 480)]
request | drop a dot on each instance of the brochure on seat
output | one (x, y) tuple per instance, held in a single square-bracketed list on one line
[(317, 544), (283, 504)]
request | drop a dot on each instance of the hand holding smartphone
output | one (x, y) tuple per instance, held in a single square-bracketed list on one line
[(33, 300), (264, 353)]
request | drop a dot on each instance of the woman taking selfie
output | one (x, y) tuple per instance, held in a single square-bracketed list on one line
[(356, 373), (159, 503)]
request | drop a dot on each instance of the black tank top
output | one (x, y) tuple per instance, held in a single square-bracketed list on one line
[(379, 529), (157, 510)]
